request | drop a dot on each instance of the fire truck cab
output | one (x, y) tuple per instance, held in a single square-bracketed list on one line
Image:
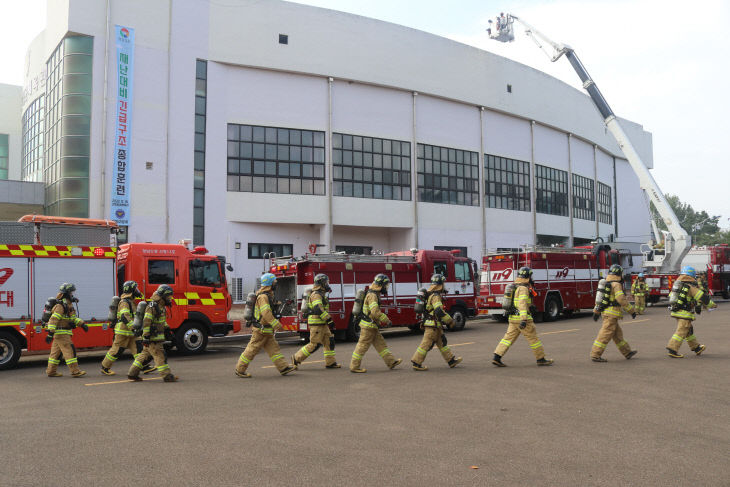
[(408, 272), (565, 279)]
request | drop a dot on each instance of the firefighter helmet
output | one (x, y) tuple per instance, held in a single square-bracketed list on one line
[(382, 280), (616, 270), (438, 279), (130, 287), (689, 271), (164, 291), (641, 275), (321, 279), (525, 272), (67, 288), (268, 279)]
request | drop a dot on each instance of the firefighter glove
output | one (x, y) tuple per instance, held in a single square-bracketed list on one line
[(633, 315), (698, 309), (523, 324), (84, 326), (145, 341), (49, 337), (596, 316), (331, 324)]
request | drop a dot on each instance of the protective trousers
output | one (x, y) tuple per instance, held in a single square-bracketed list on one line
[(640, 304), (609, 330), (685, 332), (319, 335), (120, 342), (155, 350), (62, 345), (371, 336), (432, 336), (260, 340), (513, 332)]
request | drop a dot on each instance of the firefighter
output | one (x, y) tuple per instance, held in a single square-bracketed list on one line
[(690, 300), (321, 325), (124, 337), (371, 320), (640, 289), (433, 333), (263, 335), (520, 321), (60, 331), (154, 329), (610, 329), (702, 282)]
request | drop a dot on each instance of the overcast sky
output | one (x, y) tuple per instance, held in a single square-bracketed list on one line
[(661, 63)]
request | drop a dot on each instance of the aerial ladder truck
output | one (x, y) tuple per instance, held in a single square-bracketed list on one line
[(663, 259)]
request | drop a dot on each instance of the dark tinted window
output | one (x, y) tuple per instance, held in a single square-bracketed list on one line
[(205, 273), (161, 271)]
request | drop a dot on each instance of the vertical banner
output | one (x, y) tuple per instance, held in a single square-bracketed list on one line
[(123, 124)]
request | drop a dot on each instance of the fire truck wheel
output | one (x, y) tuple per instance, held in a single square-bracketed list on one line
[(459, 316), (191, 338), (9, 350), (552, 308), (726, 294), (353, 330)]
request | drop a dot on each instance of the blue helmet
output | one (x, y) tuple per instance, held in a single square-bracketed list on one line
[(267, 279), (641, 274), (689, 271)]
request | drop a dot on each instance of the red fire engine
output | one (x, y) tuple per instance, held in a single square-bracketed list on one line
[(408, 271), (565, 278), (33, 264), (714, 261)]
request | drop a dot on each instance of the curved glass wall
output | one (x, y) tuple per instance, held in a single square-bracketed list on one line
[(67, 127), (32, 168)]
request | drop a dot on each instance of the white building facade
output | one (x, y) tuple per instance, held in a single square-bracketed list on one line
[(270, 126)]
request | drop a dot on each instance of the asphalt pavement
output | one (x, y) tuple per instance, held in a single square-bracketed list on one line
[(651, 420)]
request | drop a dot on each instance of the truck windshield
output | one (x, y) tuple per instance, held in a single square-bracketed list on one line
[(205, 273)]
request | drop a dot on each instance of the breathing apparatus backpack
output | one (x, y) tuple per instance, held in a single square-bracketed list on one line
[(48, 310), (603, 295), (679, 298), (508, 300), (139, 313), (421, 300), (113, 308), (248, 310), (305, 309), (357, 304)]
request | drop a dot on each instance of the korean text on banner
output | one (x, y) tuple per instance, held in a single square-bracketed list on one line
[(123, 125)]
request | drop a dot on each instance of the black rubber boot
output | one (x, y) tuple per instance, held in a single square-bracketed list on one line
[(497, 360)]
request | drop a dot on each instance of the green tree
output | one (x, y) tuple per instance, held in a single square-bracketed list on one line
[(703, 228)]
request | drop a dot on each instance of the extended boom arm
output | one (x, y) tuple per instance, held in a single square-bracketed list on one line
[(674, 252)]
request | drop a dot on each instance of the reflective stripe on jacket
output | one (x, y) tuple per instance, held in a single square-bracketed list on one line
[(317, 299), (62, 323)]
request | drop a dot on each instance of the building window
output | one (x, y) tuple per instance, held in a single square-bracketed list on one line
[(604, 203), (354, 249), (32, 158), (201, 91), (448, 175), (368, 167), (67, 127), (506, 183), (4, 156), (275, 160), (283, 39), (552, 190), (462, 250), (267, 250), (584, 203)]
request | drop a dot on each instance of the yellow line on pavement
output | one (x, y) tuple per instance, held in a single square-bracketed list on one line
[(559, 331), (461, 344), (307, 362), (635, 321), (117, 381)]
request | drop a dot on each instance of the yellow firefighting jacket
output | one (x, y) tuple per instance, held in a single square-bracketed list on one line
[(262, 312), (693, 299), (63, 318), (124, 310), (318, 297), (617, 298), (372, 316), (522, 300), (639, 288), (433, 305), (155, 320)]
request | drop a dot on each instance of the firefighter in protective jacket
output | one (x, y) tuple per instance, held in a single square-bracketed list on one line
[(263, 334), (691, 300), (610, 329), (320, 324), (153, 336), (60, 331), (370, 322), (520, 321), (124, 337), (433, 334), (640, 289)]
